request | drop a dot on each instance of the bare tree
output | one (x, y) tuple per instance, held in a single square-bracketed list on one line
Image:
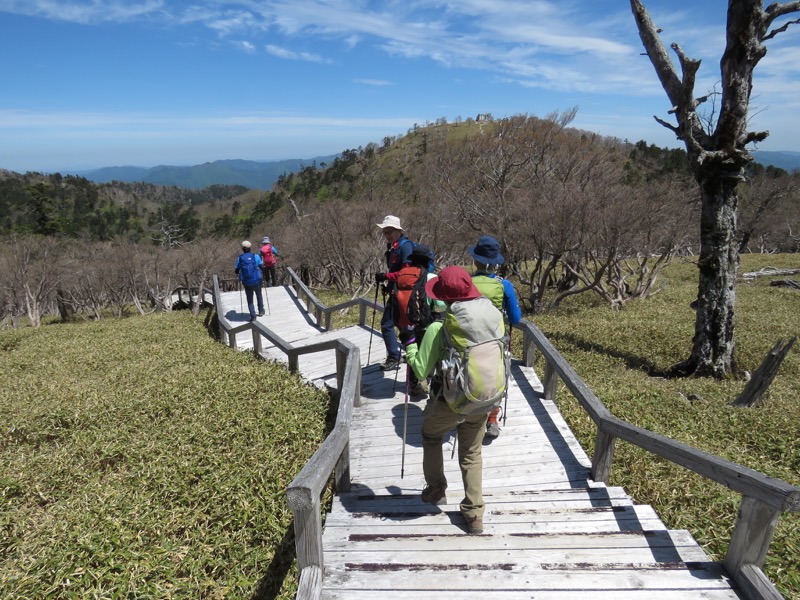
[(717, 157), (763, 201), (32, 275)]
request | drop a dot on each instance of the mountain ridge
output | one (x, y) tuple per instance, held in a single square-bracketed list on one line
[(259, 175)]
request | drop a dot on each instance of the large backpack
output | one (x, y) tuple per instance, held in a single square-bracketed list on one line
[(418, 311), (407, 279), (476, 368), (268, 255), (249, 273)]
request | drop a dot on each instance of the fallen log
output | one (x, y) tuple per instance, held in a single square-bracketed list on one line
[(792, 283), (770, 272), (763, 376)]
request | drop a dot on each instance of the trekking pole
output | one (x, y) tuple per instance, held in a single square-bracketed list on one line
[(241, 302), (266, 295), (372, 327), (405, 422), (396, 371)]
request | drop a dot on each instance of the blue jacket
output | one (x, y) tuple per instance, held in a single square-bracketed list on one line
[(398, 254)]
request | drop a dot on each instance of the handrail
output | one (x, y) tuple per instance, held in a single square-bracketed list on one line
[(322, 312), (763, 498), (333, 456)]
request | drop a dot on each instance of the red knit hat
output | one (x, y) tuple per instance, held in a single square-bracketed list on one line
[(452, 285)]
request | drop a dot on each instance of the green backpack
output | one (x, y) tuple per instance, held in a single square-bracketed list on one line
[(476, 368)]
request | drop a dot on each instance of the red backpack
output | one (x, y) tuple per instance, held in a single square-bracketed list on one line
[(268, 256), (406, 278)]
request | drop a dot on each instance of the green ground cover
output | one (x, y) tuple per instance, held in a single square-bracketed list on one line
[(139, 458)]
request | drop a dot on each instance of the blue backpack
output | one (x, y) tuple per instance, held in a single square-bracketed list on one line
[(249, 273)]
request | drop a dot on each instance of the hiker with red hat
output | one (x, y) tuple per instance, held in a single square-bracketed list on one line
[(471, 320)]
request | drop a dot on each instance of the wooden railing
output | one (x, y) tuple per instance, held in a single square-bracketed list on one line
[(763, 498), (333, 456)]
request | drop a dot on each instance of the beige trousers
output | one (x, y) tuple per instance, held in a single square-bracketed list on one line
[(438, 420)]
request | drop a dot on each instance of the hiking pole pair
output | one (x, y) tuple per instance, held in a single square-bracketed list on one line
[(372, 327)]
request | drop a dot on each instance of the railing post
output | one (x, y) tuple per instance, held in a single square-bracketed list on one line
[(550, 381), (603, 456), (341, 472), (341, 364), (362, 314), (752, 535), (528, 349), (307, 527), (256, 341), (293, 359)]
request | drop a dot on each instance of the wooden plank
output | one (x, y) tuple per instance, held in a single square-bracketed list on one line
[(421, 578), (522, 594)]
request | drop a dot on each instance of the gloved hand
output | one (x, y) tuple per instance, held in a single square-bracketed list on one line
[(407, 336), (380, 277)]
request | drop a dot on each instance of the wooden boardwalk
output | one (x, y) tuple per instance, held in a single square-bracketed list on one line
[(550, 532)]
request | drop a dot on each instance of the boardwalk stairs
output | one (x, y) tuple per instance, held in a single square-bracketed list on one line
[(552, 528)]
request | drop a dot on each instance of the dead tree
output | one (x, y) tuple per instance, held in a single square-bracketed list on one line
[(717, 157)]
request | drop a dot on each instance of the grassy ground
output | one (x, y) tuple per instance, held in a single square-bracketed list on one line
[(139, 458)]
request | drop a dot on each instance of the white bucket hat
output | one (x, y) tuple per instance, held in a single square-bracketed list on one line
[(391, 221)]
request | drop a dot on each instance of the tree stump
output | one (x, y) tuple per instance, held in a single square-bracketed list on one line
[(763, 376)]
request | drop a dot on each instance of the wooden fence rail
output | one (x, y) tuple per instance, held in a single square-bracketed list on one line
[(763, 498)]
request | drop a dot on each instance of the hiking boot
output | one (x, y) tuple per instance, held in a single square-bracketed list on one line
[(433, 495), (492, 429), (474, 525), (261, 314), (418, 390), (391, 364)]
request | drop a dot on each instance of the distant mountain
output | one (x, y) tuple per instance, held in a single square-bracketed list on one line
[(252, 174), (783, 159)]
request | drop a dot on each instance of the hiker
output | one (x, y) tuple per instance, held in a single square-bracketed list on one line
[(248, 268), (415, 310), (398, 253), (269, 258), (486, 258), (470, 318)]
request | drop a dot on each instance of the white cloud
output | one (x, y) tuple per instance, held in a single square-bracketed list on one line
[(292, 55), (375, 82), (80, 12)]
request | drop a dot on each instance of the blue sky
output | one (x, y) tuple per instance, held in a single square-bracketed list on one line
[(94, 83)]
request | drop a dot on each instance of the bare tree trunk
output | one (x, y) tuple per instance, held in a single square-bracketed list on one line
[(713, 344)]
